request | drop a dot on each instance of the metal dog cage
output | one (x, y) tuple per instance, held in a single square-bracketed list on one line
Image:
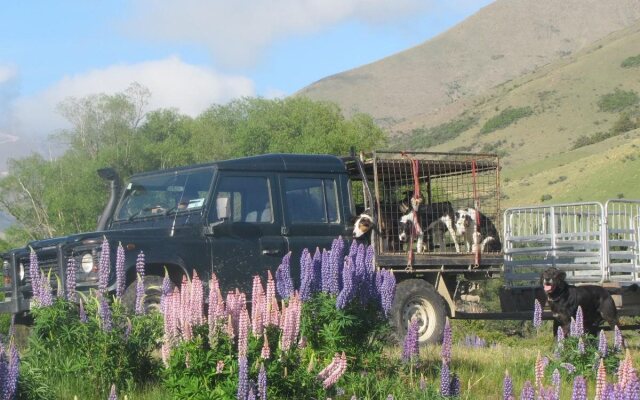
[(446, 181)]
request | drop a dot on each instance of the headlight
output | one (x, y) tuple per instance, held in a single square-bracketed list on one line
[(21, 271), (5, 266), (87, 263)]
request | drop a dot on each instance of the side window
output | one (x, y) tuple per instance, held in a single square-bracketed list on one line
[(312, 200), (248, 198)]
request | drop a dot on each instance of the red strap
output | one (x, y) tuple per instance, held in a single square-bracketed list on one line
[(476, 206)]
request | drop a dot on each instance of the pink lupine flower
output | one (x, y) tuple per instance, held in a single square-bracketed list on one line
[(243, 333), (113, 395), (270, 302), (229, 328), (327, 370), (120, 277), (601, 380), (196, 300), (257, 307), (219, 366), (539, 370), (291, 322), (338, 371), (266, 351)]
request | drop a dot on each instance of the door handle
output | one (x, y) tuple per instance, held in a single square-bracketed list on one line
[(271, 252)]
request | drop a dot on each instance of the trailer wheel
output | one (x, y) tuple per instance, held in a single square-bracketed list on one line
[(152, 294), (419, 299)]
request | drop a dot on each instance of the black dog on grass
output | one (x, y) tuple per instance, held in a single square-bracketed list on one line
[(564, 299)]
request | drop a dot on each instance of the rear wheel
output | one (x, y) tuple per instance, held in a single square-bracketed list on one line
[(152, 294), (418, 299)]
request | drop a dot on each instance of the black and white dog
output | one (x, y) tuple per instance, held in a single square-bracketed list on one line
[(434, 220), (483, 235), (362, 227)]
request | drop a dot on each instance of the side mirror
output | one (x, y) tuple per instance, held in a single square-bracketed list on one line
[(223, 208)]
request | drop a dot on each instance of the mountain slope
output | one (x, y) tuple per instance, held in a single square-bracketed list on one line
[(502, 41)]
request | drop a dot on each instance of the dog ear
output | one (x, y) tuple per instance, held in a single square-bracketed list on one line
[(562, 275), (403, 208)]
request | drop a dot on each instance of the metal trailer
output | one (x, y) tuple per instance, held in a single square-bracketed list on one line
[(593, 243)]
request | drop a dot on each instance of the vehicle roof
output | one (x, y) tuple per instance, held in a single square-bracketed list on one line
[(271, 162)]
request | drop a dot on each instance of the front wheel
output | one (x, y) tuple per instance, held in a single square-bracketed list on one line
[(152, 294), (418, 299)]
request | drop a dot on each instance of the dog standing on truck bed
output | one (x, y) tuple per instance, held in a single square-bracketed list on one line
[(564, 299)]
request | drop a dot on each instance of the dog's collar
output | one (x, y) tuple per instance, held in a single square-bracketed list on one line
[(551, 298)]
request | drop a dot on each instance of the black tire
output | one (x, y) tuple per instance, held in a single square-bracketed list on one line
[(152, 294), (415, 297)]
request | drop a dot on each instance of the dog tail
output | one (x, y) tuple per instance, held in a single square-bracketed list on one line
[(633, 288)]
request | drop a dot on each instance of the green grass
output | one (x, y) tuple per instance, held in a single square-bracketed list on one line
[(423, 138), (618, 100)]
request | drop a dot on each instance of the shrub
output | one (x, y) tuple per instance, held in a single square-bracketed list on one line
[(624, 124), (618, 100), (507, 117), (630, 62), (422, 138), (545, 197)]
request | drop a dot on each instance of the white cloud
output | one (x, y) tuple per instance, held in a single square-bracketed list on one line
[(172, 83), (7, 73), (236, 32)]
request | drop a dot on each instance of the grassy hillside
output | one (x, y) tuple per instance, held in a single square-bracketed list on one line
[(537, 122), (502, 41)]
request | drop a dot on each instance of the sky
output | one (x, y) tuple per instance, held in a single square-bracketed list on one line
[(192, 54)]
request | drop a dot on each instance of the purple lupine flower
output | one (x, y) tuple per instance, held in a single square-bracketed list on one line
[(306, 275), (474, 341), (105, 313), (166, 291), (507, 387), (81, 313), (336, 262), (34, 272), (387, 291), (579, 322), (284, 284), (262, 383), (455, 385), (555, 381), (72, 268), (243, 377), (252, 394), (127, 329), (120, 278), (537, 314), (411, 347), (13, 371), (446, 342), (581, 347), (632, 388), (325, 271), (572, 328), (528, 393), (316, 267), (113, 394), (46, 297), (4, 370), (390, 397), (140, 262), (618, 341), (560, 335), (602, 344), (423, 383), (569, 367), (104, 266), (445, 379), (579, 388), (346, 294)]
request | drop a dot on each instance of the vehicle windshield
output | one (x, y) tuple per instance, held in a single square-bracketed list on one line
[(164, 194)]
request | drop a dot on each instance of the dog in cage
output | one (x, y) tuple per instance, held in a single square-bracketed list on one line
[(430, 222), (483, 235)]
